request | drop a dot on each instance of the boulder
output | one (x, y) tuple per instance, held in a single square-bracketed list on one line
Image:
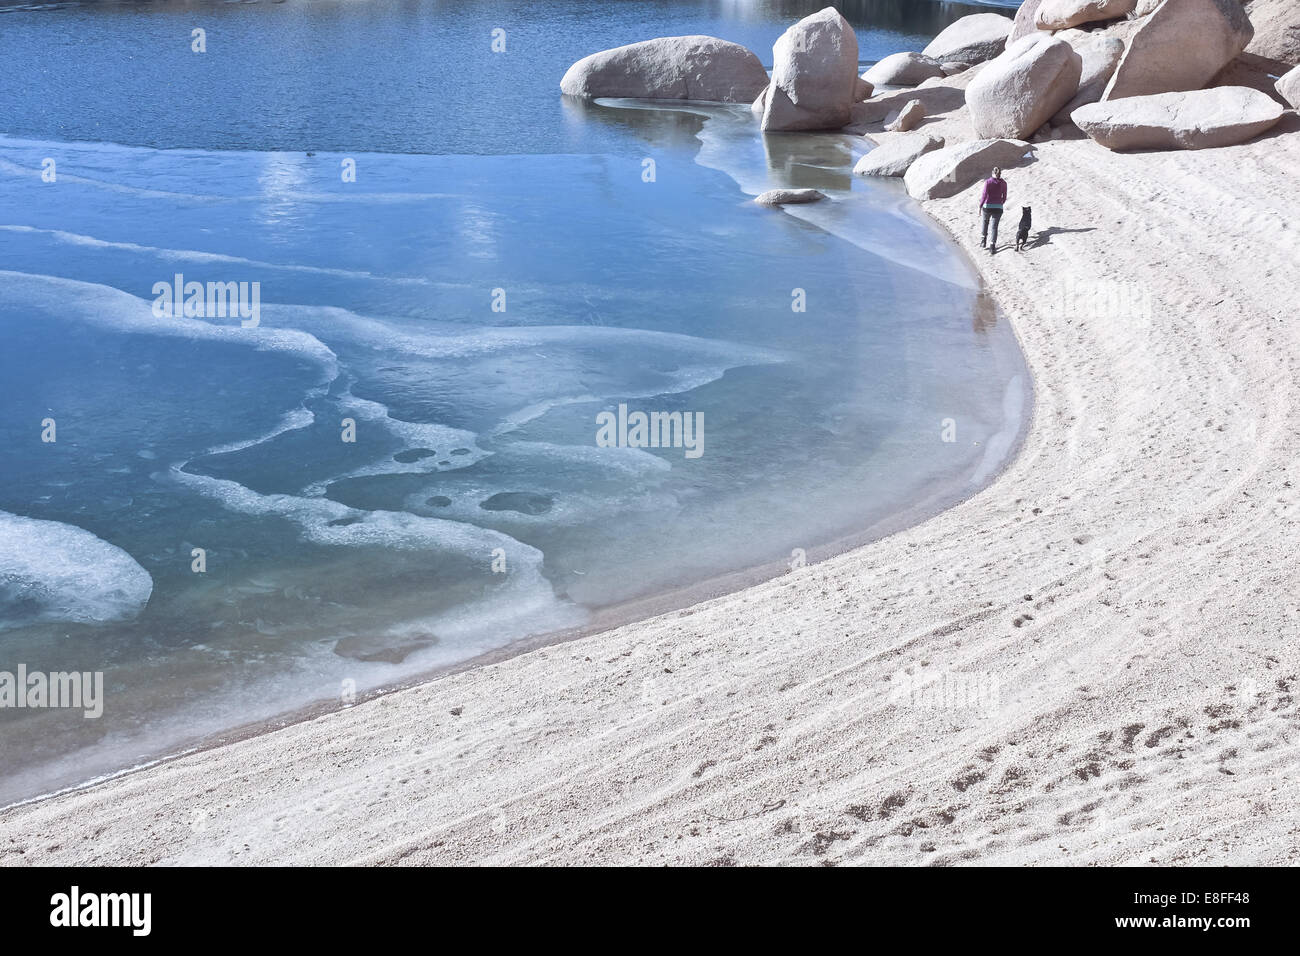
[(1255, 72), (972, 39), (1181, 46), (782, 197), (1289, 87), (896, 154), (814, 74), (908, 117), (1195, 119), (953, 67), (1277, 30), (903, 69), (946, 172), (670, 68), (1100, 55), (1063, 14), (1020, 91), (862, 91), (1026, 21), (935, 99), (1145, 8)]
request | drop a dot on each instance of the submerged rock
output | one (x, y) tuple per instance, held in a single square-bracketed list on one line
[(388, 650), (670, 68), (413, 454), (814, 75), (1196, 119), (524, 502)]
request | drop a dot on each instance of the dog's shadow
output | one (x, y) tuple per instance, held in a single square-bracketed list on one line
[(1044, 236)]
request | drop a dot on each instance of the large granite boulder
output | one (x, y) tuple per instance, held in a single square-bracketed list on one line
[(946, 172), (973, 39), (1289, 87), (1025, 22), (896, 154), (1020, 91), (1100, 54), (1181, 46), (903, 69), (814, 74), (1063, 14), (1277, 30), (1195, 119), (670, 68)]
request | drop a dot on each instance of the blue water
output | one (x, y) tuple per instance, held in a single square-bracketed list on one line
[(498, 274)]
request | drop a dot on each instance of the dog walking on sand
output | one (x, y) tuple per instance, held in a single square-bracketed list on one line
[(1022, 231)]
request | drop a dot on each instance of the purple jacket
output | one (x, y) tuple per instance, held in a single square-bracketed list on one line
[(995, 193)]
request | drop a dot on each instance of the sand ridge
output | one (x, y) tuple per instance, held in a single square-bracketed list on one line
[(1092, 661)]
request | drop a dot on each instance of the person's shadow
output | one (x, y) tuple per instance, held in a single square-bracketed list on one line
[(1044, 236)]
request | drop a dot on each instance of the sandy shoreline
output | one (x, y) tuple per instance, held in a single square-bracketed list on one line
[(1118, 607)]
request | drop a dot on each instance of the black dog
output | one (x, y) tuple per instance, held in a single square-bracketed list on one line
[(1022, 231)]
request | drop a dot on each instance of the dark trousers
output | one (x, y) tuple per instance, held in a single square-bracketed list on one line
[(996, 216)]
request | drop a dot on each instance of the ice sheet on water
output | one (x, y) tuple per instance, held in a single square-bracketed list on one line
[(50, 571)]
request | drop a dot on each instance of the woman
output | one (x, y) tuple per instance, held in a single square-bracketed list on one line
[(991, 202)]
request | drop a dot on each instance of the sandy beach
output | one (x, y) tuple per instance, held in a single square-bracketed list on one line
[(1093, 661)]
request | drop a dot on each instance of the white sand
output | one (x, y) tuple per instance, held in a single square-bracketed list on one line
[(1131, 583)]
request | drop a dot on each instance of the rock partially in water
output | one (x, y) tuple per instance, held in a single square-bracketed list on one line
[(439, 501), (524, 502), (814, 75), (670, 68), (781, 197)]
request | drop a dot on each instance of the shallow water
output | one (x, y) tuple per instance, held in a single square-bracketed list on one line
[(476, 504)]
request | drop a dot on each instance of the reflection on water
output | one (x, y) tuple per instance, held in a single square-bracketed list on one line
[(415, 76), (331, 561)]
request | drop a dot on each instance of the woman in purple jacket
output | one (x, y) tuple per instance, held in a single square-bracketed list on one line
[(992, 200)]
